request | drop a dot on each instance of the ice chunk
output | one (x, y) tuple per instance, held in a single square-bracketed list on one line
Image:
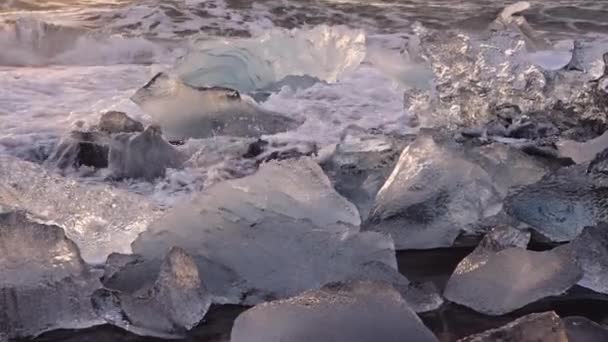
[(359, 311), (324, 52), (361, 163), (170, 306), (119, 122), (81, 149), (144, 155), (190, 112), (581, 329), (99, 218), (500, 276), (431, 195), (583, 152), (44, 283), (292, 231), (561, 204), (591, 250), (546, 326)]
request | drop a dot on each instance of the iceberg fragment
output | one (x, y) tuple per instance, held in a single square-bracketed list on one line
[(44, 283), (185, 111), (292, 231), (590, 248), (435, 192), (324, 52), (361, 163), (500, 276), (581, 329), (561, 204), (546, 326), (340, 312), (100, 219), (174, 303), (143, 155)]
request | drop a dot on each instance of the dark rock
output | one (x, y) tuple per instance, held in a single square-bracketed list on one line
[(263, 151), (119, 122)]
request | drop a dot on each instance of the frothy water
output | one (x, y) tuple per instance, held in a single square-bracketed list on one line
[(64, 62)]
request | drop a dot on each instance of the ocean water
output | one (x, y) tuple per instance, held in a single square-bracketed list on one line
[(63, 62)]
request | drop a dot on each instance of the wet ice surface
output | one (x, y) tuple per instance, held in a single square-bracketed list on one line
[(359, 311), (44, 282), (285, 221), (99, 218), (174, 303), (500, 276)]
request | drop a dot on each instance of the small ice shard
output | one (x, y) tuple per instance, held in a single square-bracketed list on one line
[(169, 307), (81, 149), (583, 152), (292, 231), (143, 155), (590, 248), (506, 15), (190, 112), (556, 58), (324, 52), (118, 122), (100, 219), (500, 276), (44, 283), (561, 204), (341, 312), (431, 196), (361, 163), (536, 327), (581, 329)]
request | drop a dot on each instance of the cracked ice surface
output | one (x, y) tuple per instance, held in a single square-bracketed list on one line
[(98, 218)]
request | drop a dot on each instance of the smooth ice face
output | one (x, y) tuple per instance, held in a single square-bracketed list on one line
[(201, 112), (581, 329), (44, 283), (324, 52), (561, 204), (98, 218), (361, 163), (431, 196), (174, 303), (292, 231), (357, 311), (145, 155), (500, 276), (546, 326), (591, 250)]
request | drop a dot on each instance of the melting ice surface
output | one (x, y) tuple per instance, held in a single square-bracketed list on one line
[(324, 52), (99, 218)]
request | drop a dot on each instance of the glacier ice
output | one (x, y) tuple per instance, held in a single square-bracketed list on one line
[(561, 204), (500, 276), (435, 192), (118, 122), (324, 52), (361, 163), (292, 231), (546, 326), (590, 248), (166, 307), (507, 64), (44, 283), (339, 312), (581, 329), (143, 155), (185, 111), (100, 219)]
